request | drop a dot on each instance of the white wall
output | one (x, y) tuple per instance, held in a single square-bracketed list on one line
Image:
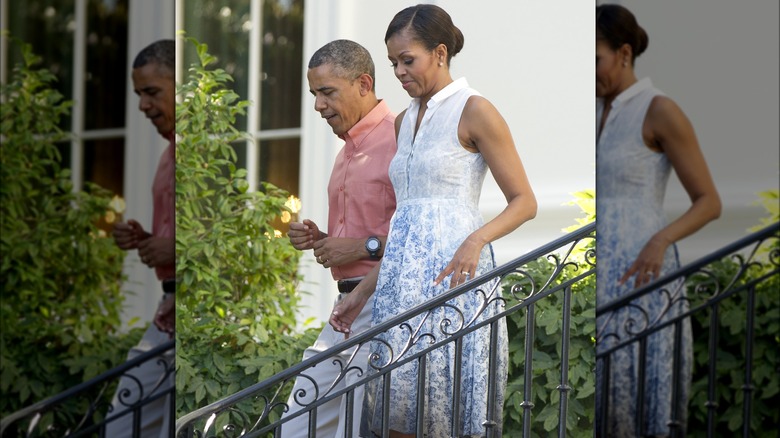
[(532, 60), (148, 22), (718, 59)]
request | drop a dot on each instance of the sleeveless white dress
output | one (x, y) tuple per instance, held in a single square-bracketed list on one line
[(630, 186), (437, 184)]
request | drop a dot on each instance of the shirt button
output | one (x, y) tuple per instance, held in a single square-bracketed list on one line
[(349, 156), (341, 189), (341, 221)]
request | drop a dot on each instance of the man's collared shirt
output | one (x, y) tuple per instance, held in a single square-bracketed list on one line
[(361, 199)]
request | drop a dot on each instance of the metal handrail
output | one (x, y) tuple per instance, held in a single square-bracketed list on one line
[(185, 424), (37, 410)]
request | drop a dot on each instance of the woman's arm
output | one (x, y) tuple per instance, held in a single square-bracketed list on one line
[(667, 129), (483, 130), (346, 311)]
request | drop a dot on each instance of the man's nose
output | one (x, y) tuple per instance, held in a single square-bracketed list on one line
[(319, 104), (143, 104)]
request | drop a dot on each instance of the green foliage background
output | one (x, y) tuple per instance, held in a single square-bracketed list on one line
[(61, 277), (732, 325), (547, 345), (236, 301)]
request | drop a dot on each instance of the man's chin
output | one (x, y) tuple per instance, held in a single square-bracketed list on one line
[(163, 130)]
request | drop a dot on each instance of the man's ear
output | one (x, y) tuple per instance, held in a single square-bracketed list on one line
[(366, 83)]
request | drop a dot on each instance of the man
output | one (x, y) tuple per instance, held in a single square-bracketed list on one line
[(361, 201), (153, 82)]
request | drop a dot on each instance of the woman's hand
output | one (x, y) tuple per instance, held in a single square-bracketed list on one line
[(463, 265), (647, 265), (346, 311)]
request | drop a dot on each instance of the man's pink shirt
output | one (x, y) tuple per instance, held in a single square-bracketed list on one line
[(361, 199), (164, 196)]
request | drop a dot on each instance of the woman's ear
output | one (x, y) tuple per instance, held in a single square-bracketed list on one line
[(441, 53), (625, 54)]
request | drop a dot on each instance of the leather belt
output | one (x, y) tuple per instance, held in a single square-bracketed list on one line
[(169, 285), (346, 286)]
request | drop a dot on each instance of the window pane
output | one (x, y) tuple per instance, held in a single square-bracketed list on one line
[(64, 149), (240, 148), (48, 26), (104, 164), (107, 73), (282, 40), (224, 26), (279, 163)]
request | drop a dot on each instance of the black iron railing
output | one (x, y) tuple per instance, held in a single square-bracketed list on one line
[(42, 419), (697, 290), (249, 411)]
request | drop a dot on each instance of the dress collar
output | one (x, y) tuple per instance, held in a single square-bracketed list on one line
[(452, 88), (635, 88)]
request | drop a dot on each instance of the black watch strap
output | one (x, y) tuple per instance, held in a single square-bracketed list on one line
[(373, 246)]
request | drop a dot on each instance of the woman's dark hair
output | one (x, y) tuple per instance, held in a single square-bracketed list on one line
[(617, 26), (430, 25)]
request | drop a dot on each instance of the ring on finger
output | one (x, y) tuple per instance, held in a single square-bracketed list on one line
[(464, 273)]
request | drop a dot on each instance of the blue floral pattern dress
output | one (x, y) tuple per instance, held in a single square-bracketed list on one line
[(630, 185), (437, 184)]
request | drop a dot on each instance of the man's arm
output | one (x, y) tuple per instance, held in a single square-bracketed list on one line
[(331, 251), (338, 251), (157, 251)]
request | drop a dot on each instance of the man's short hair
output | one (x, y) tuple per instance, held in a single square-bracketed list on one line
[(162, 53), (348, 58)]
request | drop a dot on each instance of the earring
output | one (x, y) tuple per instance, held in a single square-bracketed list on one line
[(440, 64), (625, 63)]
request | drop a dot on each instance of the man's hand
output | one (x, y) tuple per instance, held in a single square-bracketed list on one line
[(337, 251), (129, 235), (165, 318), (303, 235), (157, 251)]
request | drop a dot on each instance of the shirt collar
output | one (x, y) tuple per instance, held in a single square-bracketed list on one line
[(448, 91), (364, 126), (171, 137), (635, 88)]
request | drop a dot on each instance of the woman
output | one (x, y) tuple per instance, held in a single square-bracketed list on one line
[(641, 136), (447, 139)]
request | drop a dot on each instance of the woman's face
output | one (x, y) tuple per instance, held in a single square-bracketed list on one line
[(416, 67), (608, 69)]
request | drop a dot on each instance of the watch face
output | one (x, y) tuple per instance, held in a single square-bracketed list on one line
[(372, 244)]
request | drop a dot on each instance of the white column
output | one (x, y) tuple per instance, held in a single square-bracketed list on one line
[(147, 22)]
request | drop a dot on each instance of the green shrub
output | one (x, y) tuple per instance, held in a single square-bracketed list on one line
[(547, 345), (236, 301), (731, 364), (61, 275)]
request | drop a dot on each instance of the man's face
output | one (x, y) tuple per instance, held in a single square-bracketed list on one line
[(155, 87), (338, 100)]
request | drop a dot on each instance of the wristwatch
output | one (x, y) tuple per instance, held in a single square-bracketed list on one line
[(373, 245)]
